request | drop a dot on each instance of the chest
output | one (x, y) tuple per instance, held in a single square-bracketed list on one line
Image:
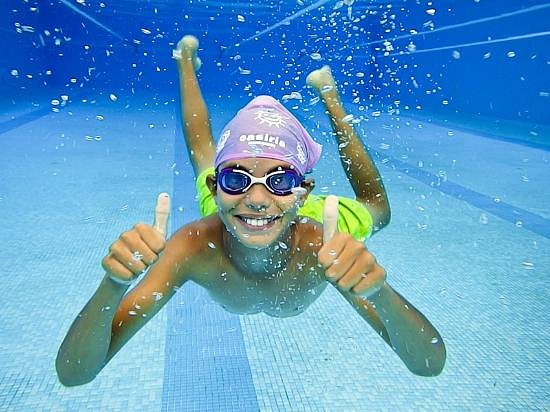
[(281, 293)]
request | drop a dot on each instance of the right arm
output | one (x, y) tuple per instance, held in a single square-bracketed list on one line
[(112, 317)]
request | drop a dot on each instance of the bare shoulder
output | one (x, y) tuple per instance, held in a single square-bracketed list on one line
[(191, 246), (195, 233)]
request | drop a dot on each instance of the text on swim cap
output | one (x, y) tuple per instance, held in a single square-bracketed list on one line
[(262, 138)]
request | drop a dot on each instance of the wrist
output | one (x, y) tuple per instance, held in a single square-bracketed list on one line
[(116, 281), (378, 297)]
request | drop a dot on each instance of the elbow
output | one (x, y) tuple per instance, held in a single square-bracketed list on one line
[(70, 376), (428, 371), (432, 365), (69, 379), (72, 382)]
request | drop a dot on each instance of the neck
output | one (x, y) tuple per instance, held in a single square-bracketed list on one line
[(264, 262)]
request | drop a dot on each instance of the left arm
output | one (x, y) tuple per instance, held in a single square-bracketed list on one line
[(362, 281), (354, 156), (403, 327)]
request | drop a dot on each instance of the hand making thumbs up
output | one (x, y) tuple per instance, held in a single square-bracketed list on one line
[(138, 248), (347, 262)]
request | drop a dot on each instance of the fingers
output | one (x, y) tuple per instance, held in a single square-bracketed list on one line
[(330, 218), (135, 250), (162, 212), (350, 266), (371, 282), (138, 248), (341, 254), (116, 270)]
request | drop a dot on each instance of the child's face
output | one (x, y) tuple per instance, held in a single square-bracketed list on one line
[(257, 218)]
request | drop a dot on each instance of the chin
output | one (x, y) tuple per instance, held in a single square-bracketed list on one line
[(257, 242)]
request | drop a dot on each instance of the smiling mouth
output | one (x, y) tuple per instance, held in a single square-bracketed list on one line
[(256, 223)]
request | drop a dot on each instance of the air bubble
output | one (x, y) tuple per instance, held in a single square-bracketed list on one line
[(528, 265), (348, 118)]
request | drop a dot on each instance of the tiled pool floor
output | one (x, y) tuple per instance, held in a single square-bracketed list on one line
[(72, 181)]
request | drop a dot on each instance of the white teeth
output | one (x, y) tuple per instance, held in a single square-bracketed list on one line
[(256, 222)]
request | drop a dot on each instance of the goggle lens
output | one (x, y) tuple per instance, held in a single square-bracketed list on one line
[(279, 182)]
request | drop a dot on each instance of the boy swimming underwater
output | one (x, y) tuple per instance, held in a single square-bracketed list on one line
[(261, 246)]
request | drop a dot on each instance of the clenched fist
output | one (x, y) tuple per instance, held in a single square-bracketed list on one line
[(138, 248), (347, 262)]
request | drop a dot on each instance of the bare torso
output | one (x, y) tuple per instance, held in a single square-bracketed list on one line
[(280, 292)]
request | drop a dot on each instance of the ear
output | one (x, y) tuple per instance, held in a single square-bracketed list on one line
[(212, 184), (308, 184)]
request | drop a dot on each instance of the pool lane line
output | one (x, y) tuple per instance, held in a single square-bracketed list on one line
[(515, 215), (33, 115), (472, 130), (23, 119), (206, 365)]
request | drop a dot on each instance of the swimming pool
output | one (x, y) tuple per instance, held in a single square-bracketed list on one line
[(468, 242)]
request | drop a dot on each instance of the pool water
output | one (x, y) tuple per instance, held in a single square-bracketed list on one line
[(468, 242)]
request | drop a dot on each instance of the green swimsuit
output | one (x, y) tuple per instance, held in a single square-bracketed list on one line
[(353, 218)]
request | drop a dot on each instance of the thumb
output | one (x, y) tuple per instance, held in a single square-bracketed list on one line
[(330, 218), (162, 211)]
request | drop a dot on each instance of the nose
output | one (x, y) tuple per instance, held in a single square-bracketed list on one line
[(258, 198)]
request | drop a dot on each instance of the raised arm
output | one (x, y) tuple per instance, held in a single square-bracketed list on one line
[(194, 114), (356, 161)]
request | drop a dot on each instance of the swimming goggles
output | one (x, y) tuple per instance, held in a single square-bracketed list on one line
[(279, 182)]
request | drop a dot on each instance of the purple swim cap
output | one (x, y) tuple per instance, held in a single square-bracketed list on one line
[(265, 128)]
